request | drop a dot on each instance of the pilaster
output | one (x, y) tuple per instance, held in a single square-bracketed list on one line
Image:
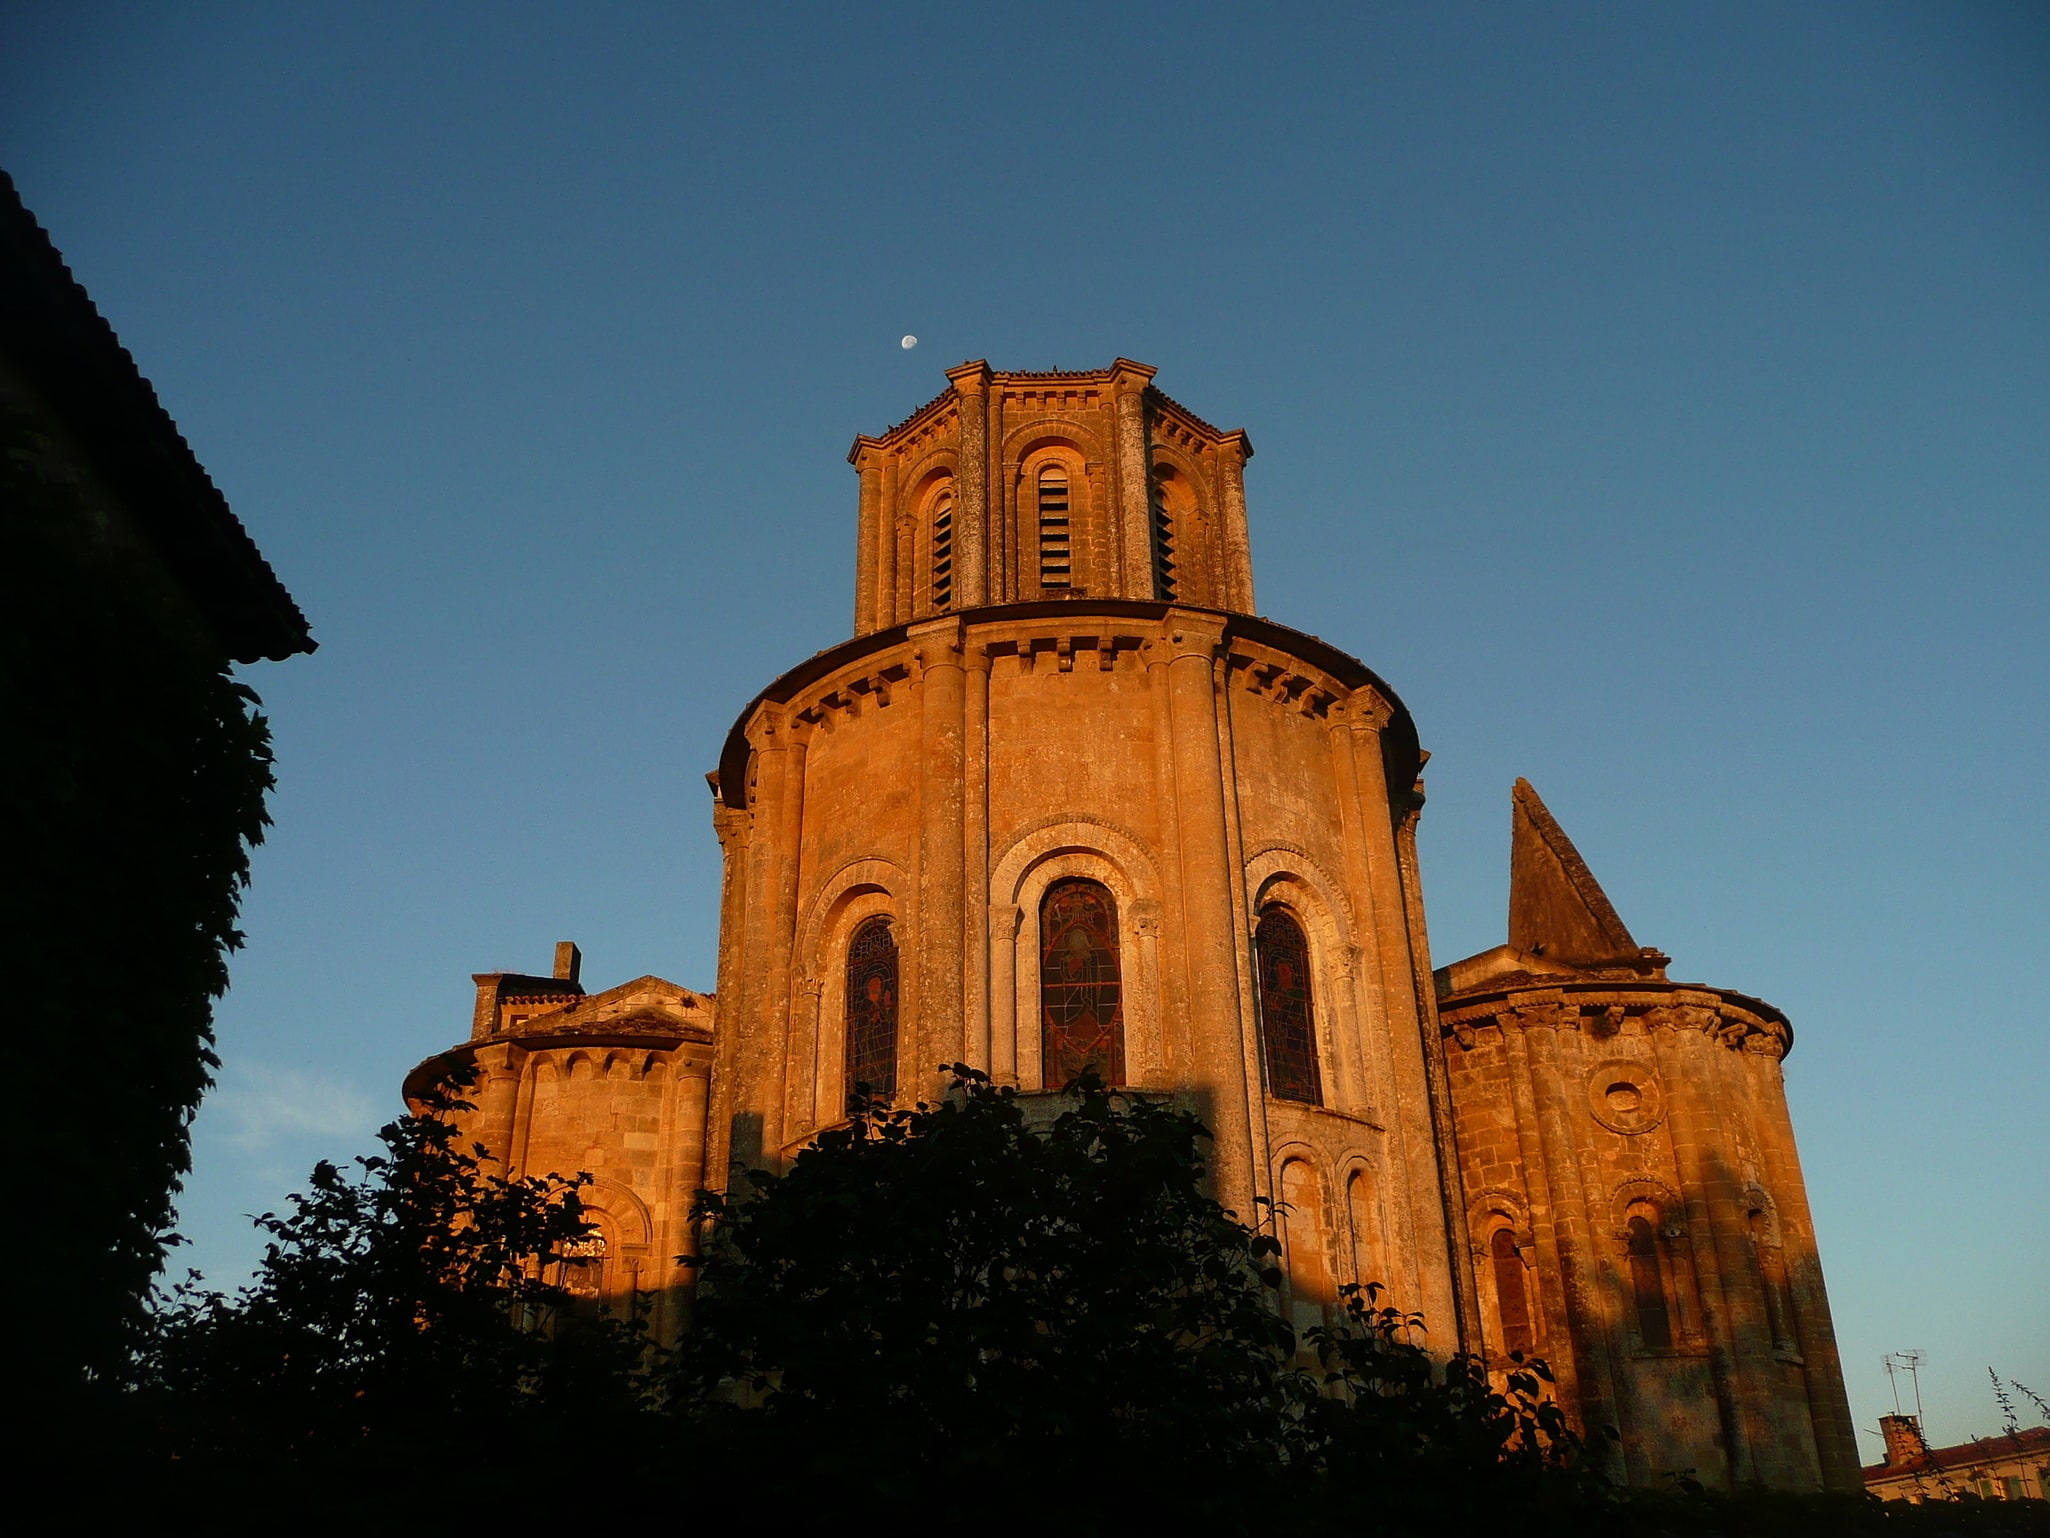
[(971, 487), (1188, 647), (937, 1035), (1134, 517), (868, 540), (1410, 1116), (1232, 454)]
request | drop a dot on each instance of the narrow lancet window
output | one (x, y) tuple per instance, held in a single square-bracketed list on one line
[(1288, 1028), (1163, 542), (1648, 1286), (872, 1010), (1056, 544), (1081, 997), (1512, 1300)]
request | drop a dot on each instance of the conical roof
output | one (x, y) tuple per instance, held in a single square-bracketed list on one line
[(1556, 907)]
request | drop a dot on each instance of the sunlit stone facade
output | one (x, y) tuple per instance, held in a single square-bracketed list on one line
[(1063, 798)]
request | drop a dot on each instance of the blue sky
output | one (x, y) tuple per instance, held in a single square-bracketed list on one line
[(1658, 397)]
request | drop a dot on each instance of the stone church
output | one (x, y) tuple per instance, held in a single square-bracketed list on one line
[(1065, 799)]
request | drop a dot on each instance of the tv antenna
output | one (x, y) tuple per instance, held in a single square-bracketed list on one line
[(1909, 1362)]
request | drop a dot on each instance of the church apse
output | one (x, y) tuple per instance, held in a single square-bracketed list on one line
[(1063, 801), (1633, 1198)]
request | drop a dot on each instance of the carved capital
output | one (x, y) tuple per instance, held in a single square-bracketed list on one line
[(1366, 711)]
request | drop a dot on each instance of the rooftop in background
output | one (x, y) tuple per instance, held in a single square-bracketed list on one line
[(62, 352), (2015, 1467)]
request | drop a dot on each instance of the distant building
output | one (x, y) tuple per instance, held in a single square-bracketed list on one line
[(2002, 1468), (1064, 799)]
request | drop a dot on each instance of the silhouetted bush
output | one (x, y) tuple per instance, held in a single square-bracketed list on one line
[(993, 1314)]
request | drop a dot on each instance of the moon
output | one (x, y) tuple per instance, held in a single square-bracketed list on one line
[(908, 343)]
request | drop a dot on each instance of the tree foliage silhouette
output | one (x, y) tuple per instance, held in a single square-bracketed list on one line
[(1005, 1283), (410, 1305)]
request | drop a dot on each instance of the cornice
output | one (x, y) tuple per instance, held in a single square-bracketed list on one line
[(1600, 1006), (1076, 617)]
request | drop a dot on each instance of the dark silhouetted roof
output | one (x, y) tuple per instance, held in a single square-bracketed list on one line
[(68, 354)]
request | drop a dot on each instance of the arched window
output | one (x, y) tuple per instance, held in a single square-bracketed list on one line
[(1081, 997), (1648, 1285), (872, 1009), (1163, 538), (583, 1264), (1056, 543), (1288, 1028), (1512, 1299), (943, 549)]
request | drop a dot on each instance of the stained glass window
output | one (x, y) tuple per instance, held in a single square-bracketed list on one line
[(1654, 1325), (1081, 997), (1512, 1302), (872, 1008), (1288, 1028)]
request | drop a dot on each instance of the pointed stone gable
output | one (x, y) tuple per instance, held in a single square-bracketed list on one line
[(1556, 907)]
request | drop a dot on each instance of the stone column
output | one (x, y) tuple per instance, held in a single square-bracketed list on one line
[(1133, 517), (1190, 645), (1370, 1010), (1451, 1179), (499, 1065), (890, 608), (1836, 1443), (1680, 1040), (975, 983), (1554, 1319), (781, 796), (1002, 583), (868, 542), (936, 651), (1232, 455), (1407, 1119), (732, 825), (1580, 1268), (971, 487), (1004, 1024)]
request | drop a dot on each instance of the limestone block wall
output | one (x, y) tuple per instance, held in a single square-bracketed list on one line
[(616, 1087), (1634, 1212), (1201, 767)]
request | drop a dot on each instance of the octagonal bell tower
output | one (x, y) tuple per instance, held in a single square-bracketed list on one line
[(1063, 799)]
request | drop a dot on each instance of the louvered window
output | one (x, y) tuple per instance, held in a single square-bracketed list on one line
[(1163, 543), (943, 551), (1056, 546)]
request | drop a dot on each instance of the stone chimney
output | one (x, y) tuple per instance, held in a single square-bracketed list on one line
[(569, 961), (1904, 1444)]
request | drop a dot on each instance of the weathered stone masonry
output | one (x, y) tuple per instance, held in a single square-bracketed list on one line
[(1056, 686)]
